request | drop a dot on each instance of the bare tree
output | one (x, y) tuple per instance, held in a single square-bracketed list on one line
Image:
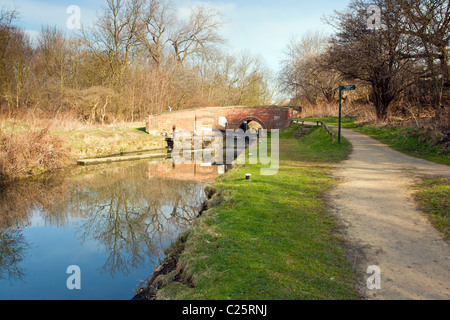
[(54, 56), (157, 20), (15, 57), (428, 22), (304, 74), (198, 35), (21, 66), (250, 76), (375, 57), (7, 19), (241, 79), (114, 35)]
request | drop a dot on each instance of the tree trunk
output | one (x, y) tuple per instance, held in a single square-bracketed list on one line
[(445, 65), (381, 100), (381, 111)]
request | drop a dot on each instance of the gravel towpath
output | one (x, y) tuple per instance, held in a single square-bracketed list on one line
[(383, 226)]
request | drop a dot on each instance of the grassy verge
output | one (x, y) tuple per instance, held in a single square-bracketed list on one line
[(347, 121), (269, 238), (433, 198), (412, 141)]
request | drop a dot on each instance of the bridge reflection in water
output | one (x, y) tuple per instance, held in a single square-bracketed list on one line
[(200, 172), (113, 221)]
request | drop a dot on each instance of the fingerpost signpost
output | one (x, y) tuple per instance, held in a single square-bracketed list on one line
[(342, 89)]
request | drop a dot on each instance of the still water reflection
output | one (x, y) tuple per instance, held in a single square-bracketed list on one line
[(114, 222)]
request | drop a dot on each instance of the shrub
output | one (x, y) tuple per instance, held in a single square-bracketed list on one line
[(30, 152)]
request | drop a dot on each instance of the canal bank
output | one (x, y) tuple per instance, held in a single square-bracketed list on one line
[(30, 150), (267, 238)]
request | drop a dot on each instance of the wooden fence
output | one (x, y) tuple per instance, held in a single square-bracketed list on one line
[(329, 132)]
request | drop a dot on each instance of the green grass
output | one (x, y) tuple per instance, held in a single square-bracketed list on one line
[(433, 198), (272, 237), (347, 121), (411, 141)]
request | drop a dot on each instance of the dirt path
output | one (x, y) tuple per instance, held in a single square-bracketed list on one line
[(383, 225)]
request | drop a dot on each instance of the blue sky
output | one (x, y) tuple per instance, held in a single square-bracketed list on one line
[(262, 27)]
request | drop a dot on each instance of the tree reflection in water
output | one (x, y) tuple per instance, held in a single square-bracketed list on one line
[(133, 217), (130, 216), (17, 201), (13, 248)]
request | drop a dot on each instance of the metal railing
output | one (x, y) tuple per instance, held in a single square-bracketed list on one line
[(330, 133)]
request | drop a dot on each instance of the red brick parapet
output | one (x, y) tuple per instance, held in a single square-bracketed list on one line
[(221, 118)]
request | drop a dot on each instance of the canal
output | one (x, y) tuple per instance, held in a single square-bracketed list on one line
[(112, 221)]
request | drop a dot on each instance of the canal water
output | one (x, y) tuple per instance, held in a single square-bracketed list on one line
[(111, 221)]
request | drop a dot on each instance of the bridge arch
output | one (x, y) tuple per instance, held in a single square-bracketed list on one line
[(249, 119)]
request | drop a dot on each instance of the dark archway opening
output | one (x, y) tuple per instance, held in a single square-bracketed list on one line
[(252, 130), (251, 125)]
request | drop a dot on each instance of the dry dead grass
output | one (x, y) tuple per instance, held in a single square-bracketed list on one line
[(362, 112), (31, 152)]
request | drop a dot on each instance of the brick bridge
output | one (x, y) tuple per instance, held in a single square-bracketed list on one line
[(222, 118)]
